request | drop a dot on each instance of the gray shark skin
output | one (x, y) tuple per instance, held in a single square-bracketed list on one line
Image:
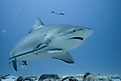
[(49, 41)]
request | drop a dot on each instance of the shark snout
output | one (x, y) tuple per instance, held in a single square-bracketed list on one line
[(86, 32), (82, 33)]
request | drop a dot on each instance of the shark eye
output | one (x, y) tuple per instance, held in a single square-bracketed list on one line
[(74, 30)]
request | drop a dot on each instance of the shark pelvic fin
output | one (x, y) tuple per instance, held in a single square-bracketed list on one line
[(64, 56), (15, 64)]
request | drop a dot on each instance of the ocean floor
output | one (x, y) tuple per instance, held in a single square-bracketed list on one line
[(54, 77)]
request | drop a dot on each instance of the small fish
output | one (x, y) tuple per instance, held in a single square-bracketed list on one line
[(60, 13), (21, 11), (3, 31)]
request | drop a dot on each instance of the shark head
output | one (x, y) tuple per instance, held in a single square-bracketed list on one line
[(78, 33), (71, 36)]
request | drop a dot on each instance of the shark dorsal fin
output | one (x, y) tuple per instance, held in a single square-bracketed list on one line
[(38, 24)]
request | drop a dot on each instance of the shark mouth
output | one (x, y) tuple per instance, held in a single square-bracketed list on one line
[(77, 38)]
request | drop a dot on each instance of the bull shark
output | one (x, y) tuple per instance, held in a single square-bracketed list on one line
[(49, 41)]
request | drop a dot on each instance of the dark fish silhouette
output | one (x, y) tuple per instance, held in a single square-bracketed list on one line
[(60, 13)]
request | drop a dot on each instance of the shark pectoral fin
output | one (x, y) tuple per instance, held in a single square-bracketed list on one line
[(15, 64), (65, 56)]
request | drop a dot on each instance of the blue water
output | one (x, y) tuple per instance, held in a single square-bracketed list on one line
[(100, 53)]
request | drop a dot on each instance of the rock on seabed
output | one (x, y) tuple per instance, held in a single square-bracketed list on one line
[(54, 77)]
